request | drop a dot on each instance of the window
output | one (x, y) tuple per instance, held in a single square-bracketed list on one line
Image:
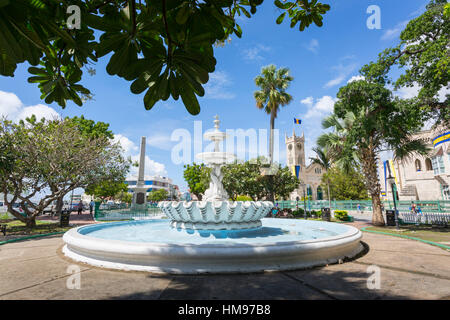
[(438, 164), (318, 171), (428, 165), (418, 165), (446, 192)]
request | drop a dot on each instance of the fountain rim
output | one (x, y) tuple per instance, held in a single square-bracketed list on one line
[(75, 234)]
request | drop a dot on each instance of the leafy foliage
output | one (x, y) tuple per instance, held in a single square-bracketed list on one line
[(107, 188), (368, 119), (272, 94), (345, 185), (52, 155), (158, 195), (197, 178), (423, 51), (163, 47), (244, 178)]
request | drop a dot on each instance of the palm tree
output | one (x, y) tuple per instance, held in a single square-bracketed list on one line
[(365, 121), (324, 162), (272, 95)]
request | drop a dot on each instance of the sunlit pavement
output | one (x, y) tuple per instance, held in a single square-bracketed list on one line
[(36, 269)]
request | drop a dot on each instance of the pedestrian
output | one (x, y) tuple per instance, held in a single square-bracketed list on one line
[(80, 207), (91, 206), (419, 215), (358, 208), (413, 208)]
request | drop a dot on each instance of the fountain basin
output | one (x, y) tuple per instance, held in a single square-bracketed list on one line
[(215, 215), (153, 246)]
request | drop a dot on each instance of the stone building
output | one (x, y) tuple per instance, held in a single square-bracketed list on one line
[(310, 174), (421, 177)]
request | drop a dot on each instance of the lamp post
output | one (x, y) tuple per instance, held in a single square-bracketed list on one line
[(391, 181), (303, 185)]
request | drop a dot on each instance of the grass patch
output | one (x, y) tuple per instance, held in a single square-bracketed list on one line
[(429, 233), (17, 227)]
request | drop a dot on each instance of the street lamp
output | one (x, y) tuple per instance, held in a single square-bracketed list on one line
[(391, 181)]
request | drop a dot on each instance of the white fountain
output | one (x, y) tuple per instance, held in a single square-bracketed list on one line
[(215, 212), (213, 236)]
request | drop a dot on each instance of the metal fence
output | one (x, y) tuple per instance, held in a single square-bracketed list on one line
[(440, 206), (124, 212), (425, 218)]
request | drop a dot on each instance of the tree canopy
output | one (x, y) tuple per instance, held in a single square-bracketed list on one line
[(345, 185), (368, 119), (158, 195), (423, 52), (52, 157), (163, 47)]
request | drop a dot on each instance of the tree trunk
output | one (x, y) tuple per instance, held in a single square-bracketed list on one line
[(377, 217), (329, 195), (59, 206), (31, 223), (272, 126), (369, 166)]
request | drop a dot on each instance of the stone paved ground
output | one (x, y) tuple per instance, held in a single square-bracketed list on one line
[(36, 269)]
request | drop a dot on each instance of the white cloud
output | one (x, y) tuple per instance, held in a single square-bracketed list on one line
[(217, 86), (131, 149), (40, 111), (12, 108), (355, 78), (393, 33), (9, 104), (411, 92), (321, 107), (152, 168), (343, 70), (160, 141), (335, 81), (128, 146), (313, 45), (308, 101), (254, 54)]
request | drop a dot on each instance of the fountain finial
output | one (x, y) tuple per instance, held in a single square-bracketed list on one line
[(216, 122)]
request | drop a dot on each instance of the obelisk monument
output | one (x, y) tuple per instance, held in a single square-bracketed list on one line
[(139, 201)]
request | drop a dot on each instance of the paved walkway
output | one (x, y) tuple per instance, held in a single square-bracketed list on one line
[(75, 219), (36, 269)]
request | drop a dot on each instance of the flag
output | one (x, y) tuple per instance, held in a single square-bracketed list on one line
[(296, 171), (297, 121)]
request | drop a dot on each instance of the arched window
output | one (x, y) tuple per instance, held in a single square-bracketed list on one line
[(428, 164), (319, 193), (418, 165)]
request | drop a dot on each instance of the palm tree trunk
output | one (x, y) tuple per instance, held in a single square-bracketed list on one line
[(272, 126), (329, 194), (369, 166)]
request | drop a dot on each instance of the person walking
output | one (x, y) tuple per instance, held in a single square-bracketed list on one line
[(358, 208), (80, 207), (91, 206)]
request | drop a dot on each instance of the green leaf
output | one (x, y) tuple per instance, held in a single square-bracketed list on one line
[(281, 18), (189, 100), (151, 97), (183, 15)]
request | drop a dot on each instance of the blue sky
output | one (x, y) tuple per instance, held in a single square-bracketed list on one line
[(321, 60)]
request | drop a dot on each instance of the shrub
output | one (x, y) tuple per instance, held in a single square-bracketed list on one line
[(243, 198), (341, 215), (299, 212)]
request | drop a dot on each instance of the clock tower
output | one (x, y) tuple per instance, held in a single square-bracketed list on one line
[(295, 151)]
